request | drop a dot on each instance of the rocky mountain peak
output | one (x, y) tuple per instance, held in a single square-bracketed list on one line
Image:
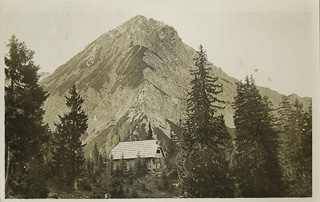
[(139, 30), (132, 75), (147, 28)]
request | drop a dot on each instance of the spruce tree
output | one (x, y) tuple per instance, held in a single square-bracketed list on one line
[(118, 179), (61, 156), (149, 135), (68, 156), (295, 148), (25, 132), (140, 166), (307, 150), (286, 150), (96, 160), (257, 168), (297, 126), (171, 154), (203, 168), (109, 176)]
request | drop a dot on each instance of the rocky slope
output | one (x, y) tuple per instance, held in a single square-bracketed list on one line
[(130, 76)]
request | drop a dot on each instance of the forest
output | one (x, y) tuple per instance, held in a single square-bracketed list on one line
[(270, 155)]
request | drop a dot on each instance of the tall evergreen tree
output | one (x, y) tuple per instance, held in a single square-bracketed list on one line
[(295, 148), (149, 135), (25, 132), (118, 179), (140, 166), (307, 151), (171, 154), (285, 141), (109, 176), (96, 159), (203, 170), (68, 156), (257, 170)]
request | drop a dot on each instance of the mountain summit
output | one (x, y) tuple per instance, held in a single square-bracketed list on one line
[(130, 76)]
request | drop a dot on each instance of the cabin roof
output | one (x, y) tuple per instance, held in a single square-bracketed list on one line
[(130, 150)]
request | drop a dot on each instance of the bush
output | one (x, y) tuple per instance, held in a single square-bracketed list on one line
[(131, 176), (53, 195), (134, 194), (97, 194), (87, 187), (85, 184), (143, 187), (164, 183), (173, 174)]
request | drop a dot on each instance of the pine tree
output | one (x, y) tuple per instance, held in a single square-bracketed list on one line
[(96, 160), (61, 156), (68, 156), (123, 166), (118, 179), (25, 132), (257, 169), (286, 150), (295, 148), (140, 166), (297, 126), (307, 151), (109, 176), (203, 168), (172, 153), (149, 135), (164, 182)]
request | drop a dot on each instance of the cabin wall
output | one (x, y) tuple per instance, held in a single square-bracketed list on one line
[(152, 163), (158, 155), (129, 163)]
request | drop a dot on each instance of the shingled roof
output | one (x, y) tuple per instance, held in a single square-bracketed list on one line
[(130, 150)]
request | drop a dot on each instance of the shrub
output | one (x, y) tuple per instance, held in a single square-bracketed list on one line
[(134, 194)]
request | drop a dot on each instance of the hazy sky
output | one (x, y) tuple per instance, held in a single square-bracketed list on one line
[(274, 40)]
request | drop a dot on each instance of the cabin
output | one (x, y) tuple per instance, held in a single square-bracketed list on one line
[(146, 149)]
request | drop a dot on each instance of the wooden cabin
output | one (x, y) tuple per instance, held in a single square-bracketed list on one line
[(129, 151)]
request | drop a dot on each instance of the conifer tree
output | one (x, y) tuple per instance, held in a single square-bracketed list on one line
[(203, 170), (118, 179), (297, 126), (96, 160), (149, 135), (295, 148), (164, 182), (286, 150), (69, 153), (109, 176), (140, 166), (171, 153), (25, 132), (61, 156), (257, 169), (123, 166), (307, 150)]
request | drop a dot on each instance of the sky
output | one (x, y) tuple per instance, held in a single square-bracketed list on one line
[(276, 41)]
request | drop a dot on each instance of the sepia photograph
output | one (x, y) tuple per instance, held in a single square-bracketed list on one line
[(180, 99)]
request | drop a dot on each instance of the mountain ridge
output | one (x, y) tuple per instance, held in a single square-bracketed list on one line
[(134, 74)]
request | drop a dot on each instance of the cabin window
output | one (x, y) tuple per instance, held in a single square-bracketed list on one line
[(158, 151)]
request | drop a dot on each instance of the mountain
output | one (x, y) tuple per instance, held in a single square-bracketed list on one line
[(43, 75), (130, 76)]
